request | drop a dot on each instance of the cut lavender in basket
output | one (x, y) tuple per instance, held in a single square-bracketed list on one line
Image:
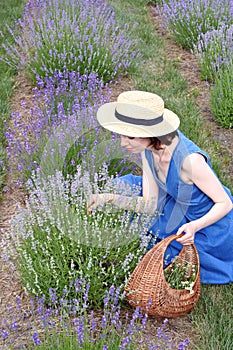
[(189, 19), (163, 287), (69, 36)]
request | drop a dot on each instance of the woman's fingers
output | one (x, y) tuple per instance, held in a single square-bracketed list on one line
[(185, 240), (188, 237), (96, 200), (90, 203)]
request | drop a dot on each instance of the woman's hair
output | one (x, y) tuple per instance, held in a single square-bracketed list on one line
[(156, 142)]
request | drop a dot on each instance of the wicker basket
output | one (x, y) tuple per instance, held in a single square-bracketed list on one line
[(148, 283)]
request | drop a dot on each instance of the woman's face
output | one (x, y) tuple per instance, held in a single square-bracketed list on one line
[(134, 144)]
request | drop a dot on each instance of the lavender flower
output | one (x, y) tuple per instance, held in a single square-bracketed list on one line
[(188, 19), (55, 228), (36, 339), (66, 36), (64, 109), (81, 329), (214, 51)]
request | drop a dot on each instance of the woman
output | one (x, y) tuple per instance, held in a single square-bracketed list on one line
[(178, 182)]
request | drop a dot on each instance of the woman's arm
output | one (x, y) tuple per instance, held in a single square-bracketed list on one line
[(147, 203), (134, 203), (198, 172)]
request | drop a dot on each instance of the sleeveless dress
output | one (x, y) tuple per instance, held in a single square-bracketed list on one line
[(178, 203)]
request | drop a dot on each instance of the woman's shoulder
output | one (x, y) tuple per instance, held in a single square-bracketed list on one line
[(187, 147), (194, 160)]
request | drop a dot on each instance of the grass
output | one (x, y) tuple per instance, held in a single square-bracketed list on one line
[(212, 317), (9, 11)]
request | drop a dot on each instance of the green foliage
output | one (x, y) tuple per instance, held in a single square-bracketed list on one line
[(207, 58), (58, 241), (213, 318), (180, 275), (9, 11), (214, 51), (59, 260), (71, 342), (59, 36), (69, 325), (222, 97), (96, 147), (154, 2), (188, 20)]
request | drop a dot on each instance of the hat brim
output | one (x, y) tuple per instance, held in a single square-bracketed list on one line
[(106, 118)]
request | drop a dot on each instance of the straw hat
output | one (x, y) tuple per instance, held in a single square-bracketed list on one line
[(138, 114)]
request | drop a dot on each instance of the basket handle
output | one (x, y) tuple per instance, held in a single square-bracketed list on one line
[(172, 238), (166, 241)]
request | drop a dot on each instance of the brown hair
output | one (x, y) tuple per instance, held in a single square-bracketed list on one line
[(156, 142)]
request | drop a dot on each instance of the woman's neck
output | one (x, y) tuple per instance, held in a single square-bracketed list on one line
[(162, 158), (166, 150)]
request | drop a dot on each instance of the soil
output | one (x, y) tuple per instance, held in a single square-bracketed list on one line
[(13, 195)]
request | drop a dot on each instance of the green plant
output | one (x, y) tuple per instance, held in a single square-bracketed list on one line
[(57, 36), (212, 318), (97, 147), (9, 11), (180, 275), (154, 2), (68, 325), (57, 241), (188, 20), (214, 51), (222, 97)]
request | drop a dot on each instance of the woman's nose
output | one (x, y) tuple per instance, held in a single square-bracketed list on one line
[(124, 140)]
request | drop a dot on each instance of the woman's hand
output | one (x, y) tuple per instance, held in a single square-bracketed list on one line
[(96, 200), (189, 230)]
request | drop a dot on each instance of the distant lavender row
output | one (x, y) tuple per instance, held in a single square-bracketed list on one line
[(206, 27), (188, 19), (70, 35), (215, 51)]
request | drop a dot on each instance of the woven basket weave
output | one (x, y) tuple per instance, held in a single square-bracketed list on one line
[(148, 283)]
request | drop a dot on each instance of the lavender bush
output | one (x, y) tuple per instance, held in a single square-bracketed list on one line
[(57, 241), (83, 36), (214, 51), (221, 97), (97, 148), (64, 109), (66, 324), (188, 19)]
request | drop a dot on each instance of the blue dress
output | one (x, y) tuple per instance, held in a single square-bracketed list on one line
[(179, 203)]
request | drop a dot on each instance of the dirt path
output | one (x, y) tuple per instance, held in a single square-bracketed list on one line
[(13, 196)]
